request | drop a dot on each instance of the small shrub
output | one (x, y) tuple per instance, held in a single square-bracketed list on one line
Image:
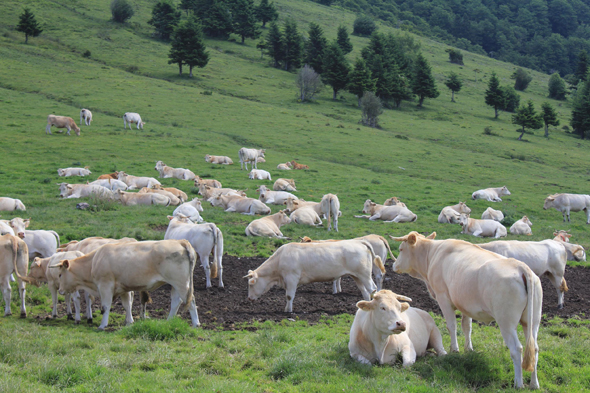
[(405, 138), (98, 203), (364, 25), (508, 221), (566, 128), (371, 108), (46, 181), (455, 56), (207, 93), (521, 79), (159, 330), (121, 10), (87, 53), (488, 131), (194, 191), (133, 69)]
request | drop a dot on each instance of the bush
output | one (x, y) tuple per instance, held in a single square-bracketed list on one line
[(121, 10), (159, 330), (308, 83), (455, 56), (511, 99), (372, 108), (556, 87), (521, 79), (364, 25), (98, 203), (488, 131), (87, 53)]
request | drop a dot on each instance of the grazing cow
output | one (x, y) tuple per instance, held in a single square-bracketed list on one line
[(284, 167), (269, 226), (114, 175), (134, 182), (451, 214), (330, 207), (250, 155), (239, 204), (384, 328), (145, 267), (40, 243), (491, 194), (90, 244), (284, 185), (174, 191), (259, 174), (209, 182), (297, 264), (274, 197), (545, 257), (522, 227), (66, 172), (61, 122), (206, 239), (482, 228), (111, 184), (296, 165), (83, 190), (133, 198), (492, 214), (209, 192), (166, 171), (130, 118), (575, 252), (565, 203), (190, 210), (174, 201), (482, 285), (11, 204), (85, 116), (13, 259), (219, 160), (305, 216)]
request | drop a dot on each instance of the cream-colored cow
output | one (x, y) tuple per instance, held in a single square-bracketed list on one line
[(111, 184), (491, 194), (11, 204), (90, 244), (40, 243), (284, 185), (66, 172), (575, 252), (209, 182), (330, 207), (174, 201), (135, 182), (132, 117), (209, 192), (482, 228), (565, 203), (305, 216), (67, 190), (451, 214), (239, 204), (269, 226), (61, 122), (218, 160), (14, 258), (190, 210), (85, 116), (259, 174), (492, 214), (133, 198), (284, 167), (522, 227), (274, 197), (166, 171), (250, 155)]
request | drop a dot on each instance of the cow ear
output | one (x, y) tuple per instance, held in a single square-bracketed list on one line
[(365, 305), (27, 222), (412, 239), (404, 306), (170, 217), (431, 236)]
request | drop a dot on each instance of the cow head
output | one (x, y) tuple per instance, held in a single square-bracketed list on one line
[(564, 236), (407, 257), (261, 152), (37, 272), (526, 220), (367, 206), (262, 189), (159, 165), (463, 208), (196, 203), (464, 220), (67, 280), (305, 239), (216, 200), (504, 191), (257, 286), (18, 225), (292, 204), (198, 181), (179, 218), (386, 311), (76, 129), (118, 194), (65, 189), (283, 218), (549, 202), (121, 176), (207, 158)]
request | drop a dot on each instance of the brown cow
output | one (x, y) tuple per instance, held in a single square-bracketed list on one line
[(114, 175), (61, 122), (298, 166)]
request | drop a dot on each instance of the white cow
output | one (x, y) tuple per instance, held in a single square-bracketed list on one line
[(522, 227), (130, 118), (111, 184), (13, 259), (491, 194), (305, 216), (209, 192), (40, 243), (174, 200), (83, 190), (135, 182), (238, 204), (482, 228), (565, 203), (206, 239), (297, 264), (133, 198), (65, 172), (85, 116), (451, 214), (190, 210), (11, 204), (268, 226), (208, 182), (250, 155), (330, 206), (575, 252), (396, 213), (274, 197), (259, 174), (284, 167), (284, 185), (482, 285), (61, 122), (166, 171), (384, 328), (5, 228), (492, 214), (218, 160)]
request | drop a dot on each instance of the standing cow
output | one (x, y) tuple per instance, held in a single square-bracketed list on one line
[(13, 258), (61, 122), (330, 206), (130, 118), (250, 155), (86, 116), (565, 203)]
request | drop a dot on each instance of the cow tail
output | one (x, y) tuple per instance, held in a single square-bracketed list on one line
[(214, 264), (56, 238), (14, 241), (529, 358), (393, 258), (563, 287), (375, 258), (192, 257)]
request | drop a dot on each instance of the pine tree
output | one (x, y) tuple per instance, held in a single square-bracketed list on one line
[(244, 18), (360, 80), (549, 117), (28, 24), (314, 48), (164, 18), (557, 88), (400, 86), (216, 18), (274, 44), (582, 66), (336, 68), (423, 84), (454, 84), (188, 46), (344, 40), (188, 5), (121, 10), (292, 45), (580, 120), (494, 94), (266, 12), (527, 117)]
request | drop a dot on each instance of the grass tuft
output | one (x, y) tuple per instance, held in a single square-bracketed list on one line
[(159, 330)]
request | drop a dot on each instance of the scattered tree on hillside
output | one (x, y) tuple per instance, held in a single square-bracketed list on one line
[(188, 46), (511, 99), (164, 18), (266, 12), (244, 19), (400, 86), (549, 117), (215, 16), (423, 84), (308, 82), (274, 44), (521, 79), (371, 108), (336, 68), (494, 94), (292, 45), (582, 66), (364, 25), (344, 40), (314, 48), (359, 80), (527, 117), (557, 88), (121, 10), (454, 84), (28, 24), (455, 56), (580, 120)]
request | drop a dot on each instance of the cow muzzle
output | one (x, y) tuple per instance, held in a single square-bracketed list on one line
[(398, 327), (21, 235)]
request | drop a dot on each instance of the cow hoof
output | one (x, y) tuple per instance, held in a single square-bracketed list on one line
[(70, 317), (560, 306), (77, 322), (7, 314), (23, 314), (100, 329), (89, 321)]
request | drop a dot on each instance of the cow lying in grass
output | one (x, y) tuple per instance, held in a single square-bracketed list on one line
[(166, 171), (268, 226), (11, 204), (451, 214), (218, 160), (66, 172)]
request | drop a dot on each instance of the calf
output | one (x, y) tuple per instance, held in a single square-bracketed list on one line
[(491, 194), (130, 118), (114, 175), (250, 155), (296, 165), (86, 116), (13, 259), (284, 167), (284, 185), (40, 243), (11, 204), (61, 122), (208, 182), (384, 328), (166, 171), (451, 214), (259, 174), (274, 197), (174, 191), (65, 172), (565, 203), (482, 228), (330, 206), (219, 160), (132, 198), (269, 226), (238, 204), (522, 227), (134, 182), (491, 214), (174, 201), (190, 210)]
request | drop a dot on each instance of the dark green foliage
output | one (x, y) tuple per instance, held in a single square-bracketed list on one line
[(557, 88), (423, 84), (266, 12), (580, 120), (216, 18), (121, 10), (511, 99), (28, 24), (454, 83), (399, 86), (344, 40), (360, 80), (455, 56), (364, 25), (582, 66), (292, 46), (494, 95), (87, 53), (164, 18), (371, 108), (187, 5), (314, 48), (549, 117), (262, 46), (244, 19), (274, 44), (336, 68), (521, 79), (188, 46), (527, 117), (158, 330)]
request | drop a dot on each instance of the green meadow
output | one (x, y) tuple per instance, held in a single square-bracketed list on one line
[(428, 157)]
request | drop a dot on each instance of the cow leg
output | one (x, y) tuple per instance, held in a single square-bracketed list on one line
[(12, 279), (408, 355), (53, 291), (207, 267), (466, 326), (7, 295), (556, 281), (291, 287), (127, 301), (366, 287), (76, 299), (336, 286), (477, 233), (587, 215), (106, 300), (89, 301), (435, 341), (219, 266), (336, 222), (534, 384), (511, 340), (176, 301), (68, 299), (48, 130), (69, 129), (378, 277), (449, 315), (22, 292)]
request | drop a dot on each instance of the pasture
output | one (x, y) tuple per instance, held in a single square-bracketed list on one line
[(428, 158)]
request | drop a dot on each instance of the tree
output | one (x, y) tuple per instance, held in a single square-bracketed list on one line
[(494, 94), (216, 18), (187, 5), (549, 117), (364, 25), (121, 10), (582, 66), (400, 86), (423, 84), (28, 24), (511, 99), (455, 56), (344, 40), (454, 84), (521, 79), (164, 18), (580, 120), (315, 47), (308, 82), (292, 45), (371, 108), (336, 68), (557, 88), (244, 19), (360, 80), (188, 46), (527, 117), (266, 12), (274, 44)]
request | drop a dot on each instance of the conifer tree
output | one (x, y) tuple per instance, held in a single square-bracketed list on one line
[(344, 40), (336, 68), (215, 16), (164, 18), (423, 84), (315, 47), (360, 80), (580, 120), (266, 12), (549, 117), (244, 19), (527, 117), (188, 5), (454, 84), (494, 94), (582, 66), (400, 86), (28, 24), (188, 46), (292, 45), (274, 44)]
